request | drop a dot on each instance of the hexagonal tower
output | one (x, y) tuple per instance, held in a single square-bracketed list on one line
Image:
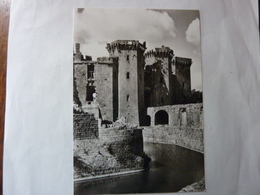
[(130, 78), (159, 70)]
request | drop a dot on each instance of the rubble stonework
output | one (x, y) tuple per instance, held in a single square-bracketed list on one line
[(85, 126)]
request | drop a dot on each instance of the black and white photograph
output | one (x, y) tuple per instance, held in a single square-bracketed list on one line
[(137, 101)]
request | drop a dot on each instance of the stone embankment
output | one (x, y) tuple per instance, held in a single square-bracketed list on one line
[(195, 187)]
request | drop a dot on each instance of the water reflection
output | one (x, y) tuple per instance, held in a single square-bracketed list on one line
[(172, 168)]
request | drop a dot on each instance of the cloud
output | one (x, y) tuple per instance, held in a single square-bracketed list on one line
[(95, 27), (193, 33)]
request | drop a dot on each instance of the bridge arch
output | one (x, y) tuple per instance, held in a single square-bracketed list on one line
[(161, 117)]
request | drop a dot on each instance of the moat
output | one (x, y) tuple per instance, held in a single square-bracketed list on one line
[(172, 168)]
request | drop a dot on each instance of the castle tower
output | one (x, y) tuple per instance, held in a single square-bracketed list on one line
[(182, 80), (158, 76), (130, 78)]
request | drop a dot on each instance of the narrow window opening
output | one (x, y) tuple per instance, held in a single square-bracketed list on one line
[(91, 72), (127, 58), (128, 75), (127, 98), (90, 91)]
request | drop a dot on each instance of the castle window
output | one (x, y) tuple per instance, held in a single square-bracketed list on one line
[(90, 91), (91, 72), (127, 98), (128, 75), (127, 58)]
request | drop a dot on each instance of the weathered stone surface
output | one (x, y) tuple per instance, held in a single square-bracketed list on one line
[(185, 127), (186, 137), (85, 126), (195, 187), (116, 151)]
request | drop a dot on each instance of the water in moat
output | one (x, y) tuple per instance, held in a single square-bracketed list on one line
[(172, 168)]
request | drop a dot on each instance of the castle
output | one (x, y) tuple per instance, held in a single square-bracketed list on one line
[(129, 81)]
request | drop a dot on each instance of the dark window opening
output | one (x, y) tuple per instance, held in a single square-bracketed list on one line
[(128, 75), (161, 118), (127, 58), (90, 91), (127, 98), (91, 72)]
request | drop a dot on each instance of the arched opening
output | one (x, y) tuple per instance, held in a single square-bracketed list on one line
[(161, 118), (147, 121)]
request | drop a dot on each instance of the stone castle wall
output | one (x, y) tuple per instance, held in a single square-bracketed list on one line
[(191, 138), (184, 128), (123, 141), (85, 126), (115, 152), (100, 151)]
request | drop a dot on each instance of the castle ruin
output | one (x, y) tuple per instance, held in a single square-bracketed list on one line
[(129, 97), (129, 81)]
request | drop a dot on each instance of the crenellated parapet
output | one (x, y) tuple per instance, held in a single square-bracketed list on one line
[(126, 45), (183, 61), (163, 52)]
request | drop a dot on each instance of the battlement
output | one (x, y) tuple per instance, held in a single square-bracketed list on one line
[(183, 61), (107, 60), (126, 45), (160, 52)]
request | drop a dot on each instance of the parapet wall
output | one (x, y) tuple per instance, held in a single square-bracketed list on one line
[(191, 138), (184, 126)]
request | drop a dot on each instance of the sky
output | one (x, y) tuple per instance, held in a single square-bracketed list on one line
[(177, 29)]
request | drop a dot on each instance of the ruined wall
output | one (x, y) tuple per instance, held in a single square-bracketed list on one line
[(85, 126), (123, 141), (184, 128), (117, 150), (106, 74), (182, 81), (158, 76), (80, 72)]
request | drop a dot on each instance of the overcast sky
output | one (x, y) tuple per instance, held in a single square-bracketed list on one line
[(177, 29)]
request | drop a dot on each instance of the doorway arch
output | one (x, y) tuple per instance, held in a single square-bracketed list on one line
[(161, 118)]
